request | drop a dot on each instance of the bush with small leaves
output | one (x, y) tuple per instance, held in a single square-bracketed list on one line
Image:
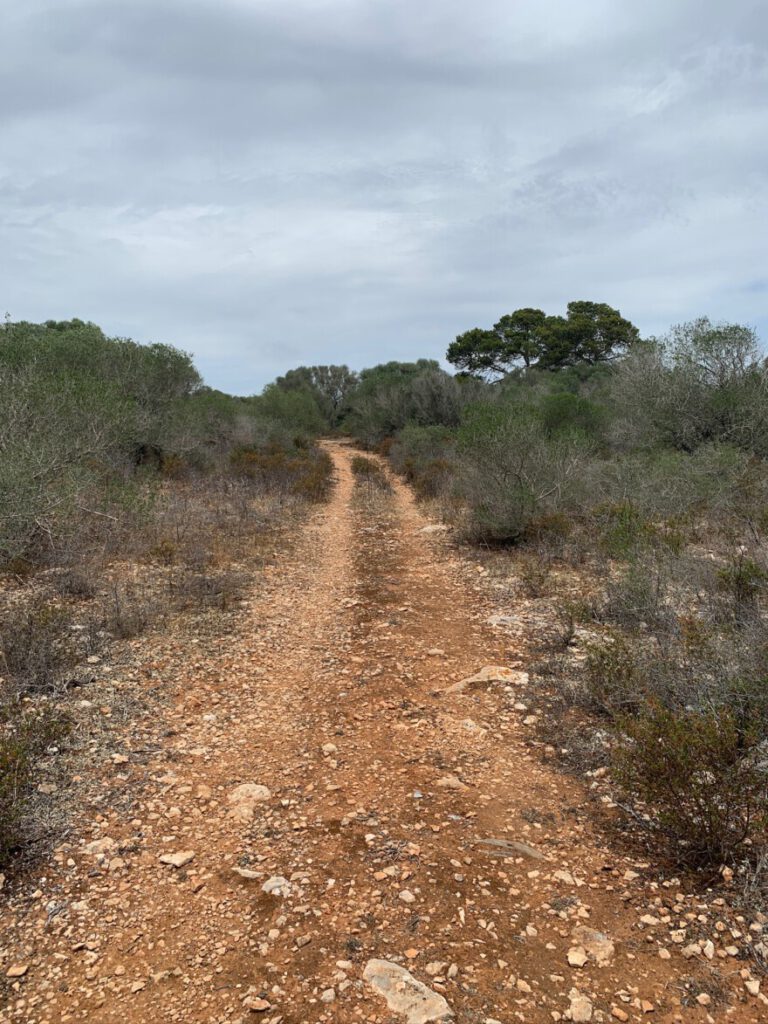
[(701, 775)]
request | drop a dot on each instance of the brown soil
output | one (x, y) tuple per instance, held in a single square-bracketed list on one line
[(353, 641)]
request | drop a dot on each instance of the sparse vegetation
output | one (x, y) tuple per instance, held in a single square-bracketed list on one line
[(129, 492), (370, 474), (638, 466)]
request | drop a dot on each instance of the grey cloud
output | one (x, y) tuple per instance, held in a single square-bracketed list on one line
[(313, 180)]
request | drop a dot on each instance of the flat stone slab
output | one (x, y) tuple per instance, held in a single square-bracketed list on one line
[(405, 995), (487, 675), (511, 848), (177, 860)]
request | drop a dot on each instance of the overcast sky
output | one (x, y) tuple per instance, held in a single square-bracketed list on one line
[(273, 182)]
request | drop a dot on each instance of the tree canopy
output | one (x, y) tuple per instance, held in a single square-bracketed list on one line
[(591, 332), (330, 386)]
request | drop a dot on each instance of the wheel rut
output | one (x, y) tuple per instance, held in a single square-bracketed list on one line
[(407, 823)]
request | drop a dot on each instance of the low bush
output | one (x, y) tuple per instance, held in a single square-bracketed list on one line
[(370, 474), (300, 470), (39, 643), (702, 775), (745, 581), (25, 734), (613, 683)]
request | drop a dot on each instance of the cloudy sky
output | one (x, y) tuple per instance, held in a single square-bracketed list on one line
[(274, 182)]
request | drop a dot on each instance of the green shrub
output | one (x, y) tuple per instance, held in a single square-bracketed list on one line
[(745, 581), (639, 597), (702, 777), (613, 683)]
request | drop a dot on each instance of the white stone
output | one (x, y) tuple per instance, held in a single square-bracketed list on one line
[(277, 886), (404, 994), (581, 1008), (177, 860)]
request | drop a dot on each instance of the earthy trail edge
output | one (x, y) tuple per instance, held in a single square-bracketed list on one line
[(382, 788)]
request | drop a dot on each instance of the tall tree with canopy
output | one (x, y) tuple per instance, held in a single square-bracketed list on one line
[(591, 332)]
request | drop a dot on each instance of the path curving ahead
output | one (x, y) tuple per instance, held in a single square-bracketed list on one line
[(402, 823)]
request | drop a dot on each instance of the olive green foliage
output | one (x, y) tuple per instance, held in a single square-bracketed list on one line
[(86, 421), (294, 409), (702, 383), (646, 460), (511, 472), (370, 474), (425, 457), (330, 387), (394, 394), (704, 776)]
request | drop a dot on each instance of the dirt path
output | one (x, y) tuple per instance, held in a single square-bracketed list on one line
[(383, 788)]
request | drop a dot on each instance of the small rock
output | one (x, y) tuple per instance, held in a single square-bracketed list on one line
[(99, 847), (328, 995), (487, 675), (619, 1014), (581, 1008), (247, 873), (243, 800), (177, 860), (577, 956), (277, 886), (597, 944), (407, 896), (451, 782), (511, 848), (17, 971), (256, 1004)]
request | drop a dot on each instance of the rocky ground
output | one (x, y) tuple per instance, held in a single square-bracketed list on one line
[(343, 817)]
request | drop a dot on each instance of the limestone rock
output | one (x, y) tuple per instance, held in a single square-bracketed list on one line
[(177, 860), (597, 944), (405, 995), (581, 1008), (511, 848), (277, 886), (577, 956), (451, 782), (487, 675), (243, 800), (100, 847)]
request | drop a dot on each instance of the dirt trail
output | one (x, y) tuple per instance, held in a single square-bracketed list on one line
[(382, 789)]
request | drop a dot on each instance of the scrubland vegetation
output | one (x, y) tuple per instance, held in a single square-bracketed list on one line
[(129, 492), (623, 481), (634, 473)]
